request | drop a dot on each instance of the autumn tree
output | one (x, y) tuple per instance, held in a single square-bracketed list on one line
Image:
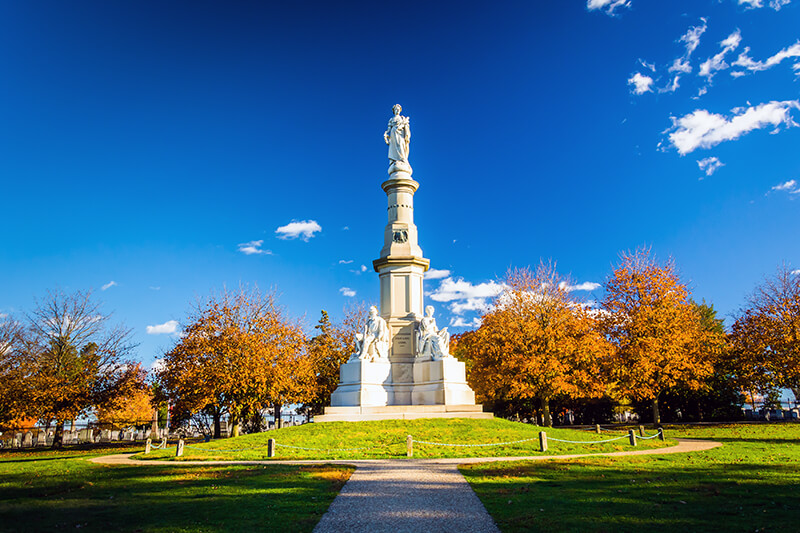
[(657, 333), (535, 343), (238, 355), (329, 349), (133, 409), (14, 385), (765, 337), (72, 359)]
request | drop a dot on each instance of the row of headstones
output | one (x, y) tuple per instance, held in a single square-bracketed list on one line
[(32, 439)]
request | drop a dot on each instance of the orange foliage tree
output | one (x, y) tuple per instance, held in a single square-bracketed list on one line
[(536, 343), (134, 409), (70, 359), (658, 334), (329, 349), (14, 385), (765, 337), (238, 355)]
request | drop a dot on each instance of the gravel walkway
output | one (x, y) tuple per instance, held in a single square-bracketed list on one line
[(410, 496), (401, 496)]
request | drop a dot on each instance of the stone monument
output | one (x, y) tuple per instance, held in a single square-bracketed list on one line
[(401, 366)]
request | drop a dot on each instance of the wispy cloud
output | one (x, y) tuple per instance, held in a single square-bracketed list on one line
[(585, 286), (701, 129), (796, 272), (790, 187), (3, 315), (345, 261), (304, 229), (641, 83), (709, 165), (152, 288), (167, 328), (715, 63), (347, 291), (459, 322), (774, 4), (436, 274), (108, 285), (253, 248), (746, 62), (457, 289), (609, 6)]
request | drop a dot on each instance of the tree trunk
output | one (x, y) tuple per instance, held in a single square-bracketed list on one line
[(656, 415), (278, 422), (548, 420), (234, 423), (217, 425), (58, 437)]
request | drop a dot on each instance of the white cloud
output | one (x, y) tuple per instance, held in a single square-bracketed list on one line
[(152, 288), (470, 304), (607, 5), (436, 274), (108, 285), (701, 129), (363, 268), (774, 4), (691, 40), (3, 315), (347, 291), (790, 186), (305, 229), (345, 261), (157, 365), (253, 247), (796, 272), (709, 165), (450, 289), (167, 328), (746, 62), (641, 83), (459, 322), (585, 286), (717, 62)]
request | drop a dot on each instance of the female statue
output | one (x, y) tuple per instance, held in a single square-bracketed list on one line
[(398, 137), (432, 342)]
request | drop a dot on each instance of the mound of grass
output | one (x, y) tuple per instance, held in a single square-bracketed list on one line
[(749, 484), (386, 439), (45, 491)]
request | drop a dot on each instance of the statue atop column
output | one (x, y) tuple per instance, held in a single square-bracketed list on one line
[(373, 342), (431, 341), (398, 137)]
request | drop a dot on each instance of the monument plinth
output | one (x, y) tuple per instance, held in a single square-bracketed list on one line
[(402, 367)]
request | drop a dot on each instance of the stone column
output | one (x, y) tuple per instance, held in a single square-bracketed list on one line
[(401, 268)]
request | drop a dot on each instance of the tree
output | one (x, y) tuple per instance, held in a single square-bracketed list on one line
[(72, 360), (329, 349), (536, 343), (134, 409), (14, 385), (238, 355), (765, 337), (658, 334)]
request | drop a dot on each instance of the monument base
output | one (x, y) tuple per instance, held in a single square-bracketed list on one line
[(363, 383), (401, 412)]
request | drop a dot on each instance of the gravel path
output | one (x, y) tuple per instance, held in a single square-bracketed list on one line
[(401, 496), (406, 496)]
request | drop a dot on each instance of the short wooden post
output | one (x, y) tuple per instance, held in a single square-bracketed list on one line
[(543, 441), (179, 449), (660, 433), (163, 443), (641, 430), (632, 436), (270, 447), (147, 444), (409, 446), (597, 428)]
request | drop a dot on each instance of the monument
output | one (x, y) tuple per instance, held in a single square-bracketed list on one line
[(401, 366)]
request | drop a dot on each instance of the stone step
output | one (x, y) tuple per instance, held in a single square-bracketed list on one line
[(407, 415)]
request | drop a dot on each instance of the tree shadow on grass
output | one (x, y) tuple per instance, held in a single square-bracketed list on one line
[(153, 498), (592, 496)]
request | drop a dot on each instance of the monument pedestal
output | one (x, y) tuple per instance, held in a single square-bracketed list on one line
[(362, 382), (441, 382)]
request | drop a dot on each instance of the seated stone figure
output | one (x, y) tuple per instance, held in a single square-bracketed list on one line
[(373, 342), (432, 342)]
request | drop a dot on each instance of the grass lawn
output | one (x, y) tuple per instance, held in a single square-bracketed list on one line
[(55, 491), (386, 439), (751, 483)]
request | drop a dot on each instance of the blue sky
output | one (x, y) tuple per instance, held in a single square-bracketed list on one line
[(147, 147)]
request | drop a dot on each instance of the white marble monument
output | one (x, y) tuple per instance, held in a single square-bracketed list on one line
[(401, 366)]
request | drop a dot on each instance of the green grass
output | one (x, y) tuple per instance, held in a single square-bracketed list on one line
[(51, 491), (386, 439), (751, 483)]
